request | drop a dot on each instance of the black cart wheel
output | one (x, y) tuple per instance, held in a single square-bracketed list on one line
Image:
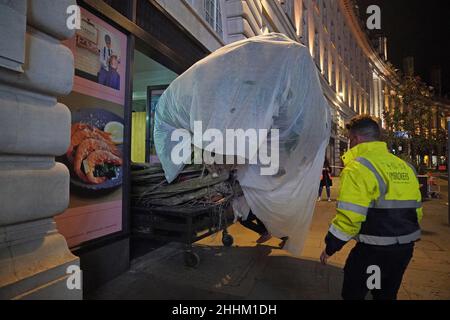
[(227, 240), (191, 259)]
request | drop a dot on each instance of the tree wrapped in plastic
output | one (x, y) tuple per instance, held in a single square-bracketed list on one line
[(268, 84)]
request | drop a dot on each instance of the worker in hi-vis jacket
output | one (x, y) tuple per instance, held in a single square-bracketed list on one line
[(379, 206)]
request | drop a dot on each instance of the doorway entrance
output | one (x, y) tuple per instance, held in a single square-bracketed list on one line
[(150, 79)]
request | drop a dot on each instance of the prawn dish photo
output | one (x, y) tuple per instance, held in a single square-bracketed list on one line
[(94, 157)]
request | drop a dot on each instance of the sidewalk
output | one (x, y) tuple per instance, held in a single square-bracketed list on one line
[(428, 275), (250, 271)]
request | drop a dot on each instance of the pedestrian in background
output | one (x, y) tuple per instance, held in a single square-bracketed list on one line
[(326, 181)]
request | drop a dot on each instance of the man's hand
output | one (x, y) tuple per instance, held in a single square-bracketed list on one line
[(324, 258)]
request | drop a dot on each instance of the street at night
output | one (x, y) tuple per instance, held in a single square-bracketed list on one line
[(226, 158)]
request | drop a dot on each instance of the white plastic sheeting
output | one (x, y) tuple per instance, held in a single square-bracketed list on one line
[(265, 82)]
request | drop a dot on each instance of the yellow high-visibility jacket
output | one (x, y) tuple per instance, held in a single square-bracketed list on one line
[(379, 202)]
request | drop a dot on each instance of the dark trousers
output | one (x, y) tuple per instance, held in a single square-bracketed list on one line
[(392, 262), (328, 191), (327, 185), (254, 224)]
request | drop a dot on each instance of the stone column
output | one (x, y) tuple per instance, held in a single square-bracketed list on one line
[(34, 128)]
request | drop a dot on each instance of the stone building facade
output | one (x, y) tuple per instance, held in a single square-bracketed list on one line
[(34, 128)]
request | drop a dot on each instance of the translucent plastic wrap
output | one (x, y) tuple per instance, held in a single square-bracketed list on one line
[(266, 82)]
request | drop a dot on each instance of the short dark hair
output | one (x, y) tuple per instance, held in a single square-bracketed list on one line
[(365, 126), (107, 38)]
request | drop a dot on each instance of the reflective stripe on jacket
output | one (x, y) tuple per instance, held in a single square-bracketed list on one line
[(379, 202)]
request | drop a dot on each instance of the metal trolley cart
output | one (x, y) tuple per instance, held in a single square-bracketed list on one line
[(183, 224)]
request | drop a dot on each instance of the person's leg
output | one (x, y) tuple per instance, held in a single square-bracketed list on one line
[(393, 264), (261, 226), (252, 223), (355, 277), (320, 191), (265, 234), (328, 193)]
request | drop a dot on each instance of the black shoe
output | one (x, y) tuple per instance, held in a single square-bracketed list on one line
[(264, 238), (283, 242)]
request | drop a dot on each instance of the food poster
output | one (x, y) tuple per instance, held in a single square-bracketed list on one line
[(95, 156)]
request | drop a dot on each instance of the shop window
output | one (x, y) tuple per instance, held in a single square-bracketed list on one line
[(343, 147), (332, 156), (333, 73), (324, 13), (213, 15), (332, 32), (325, 63)]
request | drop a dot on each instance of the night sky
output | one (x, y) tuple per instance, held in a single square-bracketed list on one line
[(416, 28)]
